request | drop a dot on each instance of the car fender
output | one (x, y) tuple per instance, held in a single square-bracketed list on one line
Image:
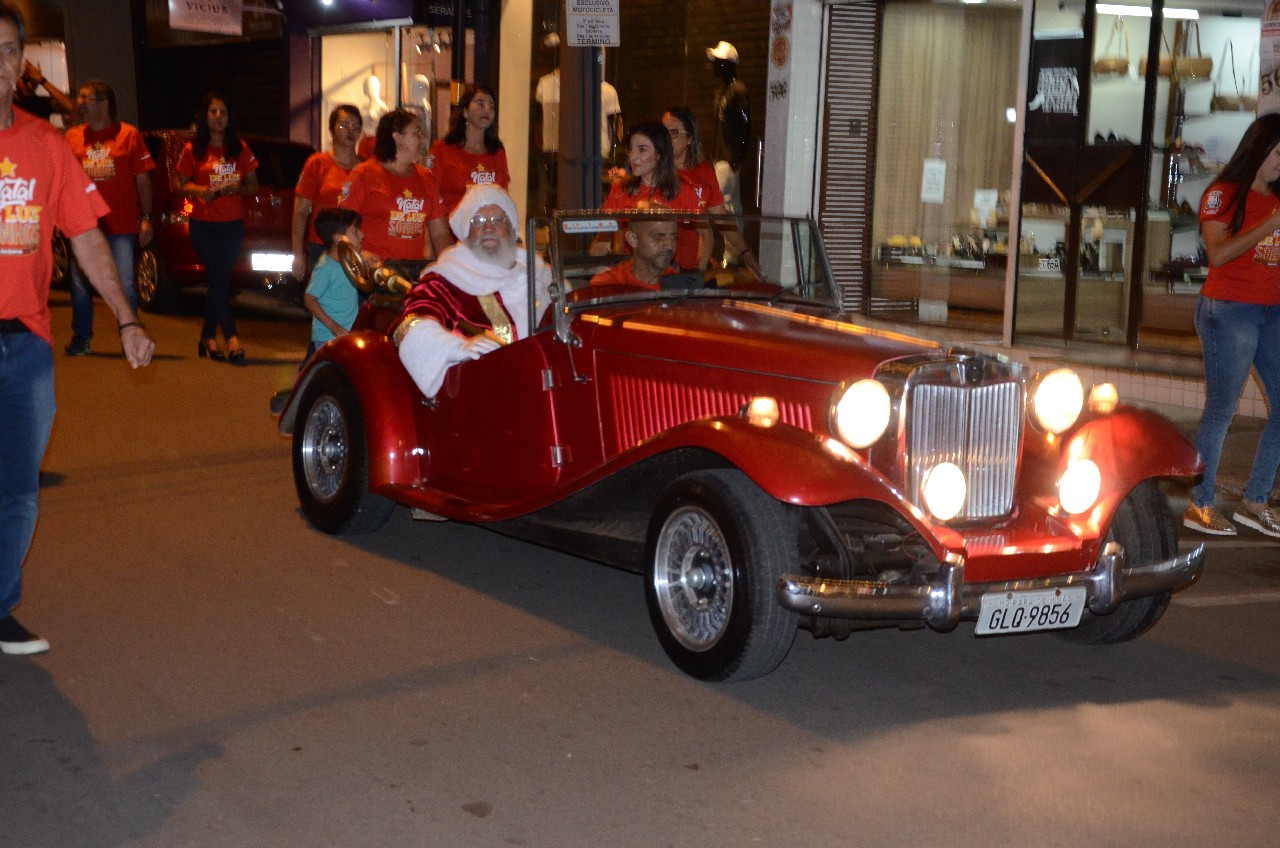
[(795, 466), (387, 397)]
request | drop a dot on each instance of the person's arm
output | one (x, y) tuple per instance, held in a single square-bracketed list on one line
[(301, 214), (94, 257), (438, 230), (317, 312), (248, 185), (62, 104), (1221, 247), (142, 183)]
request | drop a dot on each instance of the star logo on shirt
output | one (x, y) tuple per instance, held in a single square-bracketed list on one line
[(7, 168), (407, 194)]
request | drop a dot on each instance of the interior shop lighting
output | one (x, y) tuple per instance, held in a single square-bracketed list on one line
[(1145, 11)]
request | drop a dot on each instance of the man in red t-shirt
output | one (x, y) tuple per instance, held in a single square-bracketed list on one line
[(653, 246), (43, 187), (117, 160)]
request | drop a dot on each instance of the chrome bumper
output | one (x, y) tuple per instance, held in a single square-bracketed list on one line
[(948, 599)]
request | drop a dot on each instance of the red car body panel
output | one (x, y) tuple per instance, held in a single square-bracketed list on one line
[(528, 425)]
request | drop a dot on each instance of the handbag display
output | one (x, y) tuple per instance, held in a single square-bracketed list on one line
[(1113, 63), (1179, 61)]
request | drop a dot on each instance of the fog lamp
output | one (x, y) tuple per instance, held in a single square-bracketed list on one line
[(1103, 398), (1079, 486), (944, 491)]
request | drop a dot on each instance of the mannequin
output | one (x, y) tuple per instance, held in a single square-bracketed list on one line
[(420, 93), (733, 123), (377, 106), (546, 97)]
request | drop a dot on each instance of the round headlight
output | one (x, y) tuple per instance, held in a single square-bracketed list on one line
[(944, 491), (1058, 399), (1078, 489), (862, 413)]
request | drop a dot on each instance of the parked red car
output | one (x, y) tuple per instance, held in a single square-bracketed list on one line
[(169, 263), (767, 461)]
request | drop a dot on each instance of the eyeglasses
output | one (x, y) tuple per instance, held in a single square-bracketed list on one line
[(347, 125), (677, 133), (479, 222)]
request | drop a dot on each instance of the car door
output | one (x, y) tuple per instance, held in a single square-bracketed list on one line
[(490, 434)]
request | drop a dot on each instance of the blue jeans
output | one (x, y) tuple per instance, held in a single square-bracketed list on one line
[(1234, 337), (124, 248), (217, 244), (26, 408)]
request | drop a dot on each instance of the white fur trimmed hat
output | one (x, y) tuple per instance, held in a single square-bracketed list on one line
[(724, 50), (476, 198)]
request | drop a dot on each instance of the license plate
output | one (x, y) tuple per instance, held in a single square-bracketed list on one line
[(280, 263), (1023, 612)]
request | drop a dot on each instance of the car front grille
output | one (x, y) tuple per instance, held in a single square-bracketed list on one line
[(978, 428)]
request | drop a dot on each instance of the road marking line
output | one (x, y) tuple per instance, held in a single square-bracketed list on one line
[(1229, 600)]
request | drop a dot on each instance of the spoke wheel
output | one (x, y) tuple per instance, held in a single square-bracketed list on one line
[(156, 291), (717, 545), (331, 460)]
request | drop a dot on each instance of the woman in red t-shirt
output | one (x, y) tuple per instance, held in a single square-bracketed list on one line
[(403, 217), (320, 184), (652, 180), (686, 147), (1238, 320), (470, 152), (216, 171)]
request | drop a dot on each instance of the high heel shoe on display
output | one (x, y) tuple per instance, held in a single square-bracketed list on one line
[(209, 348)]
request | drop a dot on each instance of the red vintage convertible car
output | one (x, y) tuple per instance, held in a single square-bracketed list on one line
[(767, 461)]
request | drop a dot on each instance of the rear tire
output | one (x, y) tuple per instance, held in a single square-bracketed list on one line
[(1144, 526), (157, 291), (331, 459), (717, 545)]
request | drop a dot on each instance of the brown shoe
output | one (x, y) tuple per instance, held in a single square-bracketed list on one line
[(1206, 519), (1265, 519)]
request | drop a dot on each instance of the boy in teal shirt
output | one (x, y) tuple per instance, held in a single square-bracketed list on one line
[(330, 297)]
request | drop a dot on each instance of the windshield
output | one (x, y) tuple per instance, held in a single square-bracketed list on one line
[(603, 257)]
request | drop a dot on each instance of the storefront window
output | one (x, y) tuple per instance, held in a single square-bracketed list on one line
[(944, 155)]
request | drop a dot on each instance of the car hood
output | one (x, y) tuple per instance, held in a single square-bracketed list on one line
[(785, 340)]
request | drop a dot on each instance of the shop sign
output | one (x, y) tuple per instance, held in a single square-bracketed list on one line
[(592, 23), (1269, 62), (1053, 113), (224, 17)]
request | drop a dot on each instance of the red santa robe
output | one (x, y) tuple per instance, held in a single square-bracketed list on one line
[(448, 295)]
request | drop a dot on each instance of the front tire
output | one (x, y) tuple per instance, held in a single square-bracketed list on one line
[(716, 547), (1144, 526), (331, 459)]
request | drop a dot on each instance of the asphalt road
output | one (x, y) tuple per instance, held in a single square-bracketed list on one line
[(222, 675)]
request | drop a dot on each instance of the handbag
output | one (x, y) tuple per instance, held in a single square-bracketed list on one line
[(1178, 61), (1225, 102), (1111, 63)]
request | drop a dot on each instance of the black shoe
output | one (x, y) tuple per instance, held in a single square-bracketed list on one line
[(18, 640), (236, 357), (209, 348), (79, 346)]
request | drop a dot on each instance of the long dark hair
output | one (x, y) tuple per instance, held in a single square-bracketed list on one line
[(230, 139), (1258, 142), (685, 116), (384, 144), (457, 134), (666, 179)]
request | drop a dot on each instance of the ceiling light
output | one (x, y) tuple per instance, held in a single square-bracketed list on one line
[(1145, 11)]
